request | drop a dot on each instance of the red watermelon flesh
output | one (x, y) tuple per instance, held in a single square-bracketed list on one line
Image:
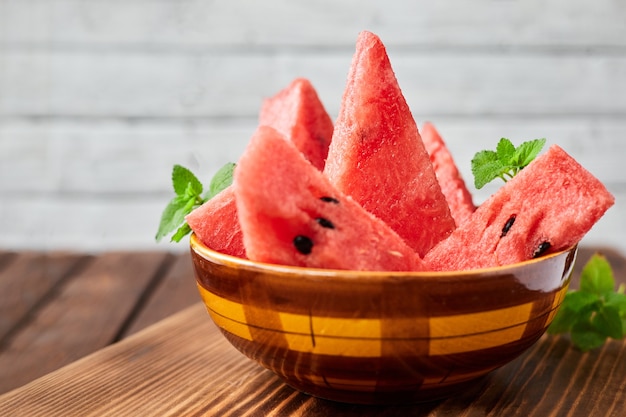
[(298, 114), (216, 224), (291, 214), (377, 157), (452, 184), (548, 206)]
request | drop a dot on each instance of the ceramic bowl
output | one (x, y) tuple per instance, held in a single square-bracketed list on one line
[(380, 337)]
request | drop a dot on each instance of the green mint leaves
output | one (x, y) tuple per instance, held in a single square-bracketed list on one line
[(505, 162), (222, 179), (595, 312), (189, 195)]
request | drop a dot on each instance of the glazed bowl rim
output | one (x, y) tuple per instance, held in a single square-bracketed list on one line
[(217, 257)]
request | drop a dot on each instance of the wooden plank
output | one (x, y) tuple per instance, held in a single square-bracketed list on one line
[(6, 257), (174, 293), (183, 366), (175, 24), (86, 315), (28, 281), (132, 224), (114, 159), (114, 177), (229, 84), (96, 224), (194, 356)]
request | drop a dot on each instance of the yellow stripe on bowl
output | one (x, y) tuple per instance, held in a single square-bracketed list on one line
[(331, 336), (356, 337), (226, 314), (558, 299), (476, 331)]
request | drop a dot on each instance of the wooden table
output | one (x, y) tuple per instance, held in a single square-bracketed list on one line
[(76, 339)]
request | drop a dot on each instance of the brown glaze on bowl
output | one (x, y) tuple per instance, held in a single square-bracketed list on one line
[(380, 337)]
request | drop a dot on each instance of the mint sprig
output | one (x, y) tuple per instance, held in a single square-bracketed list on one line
[(505, 162), (189, 195), (596, 311), (221, 180)]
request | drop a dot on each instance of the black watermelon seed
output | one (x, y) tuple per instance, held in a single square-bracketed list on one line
[(541, 249), (303, 244), (507, 225), (325, 223), (328, 199)]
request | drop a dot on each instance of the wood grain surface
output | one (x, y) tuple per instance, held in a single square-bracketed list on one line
[(183, 366), (57, 308), (27, 280)]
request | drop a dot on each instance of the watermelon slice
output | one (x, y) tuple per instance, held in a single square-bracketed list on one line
[(452, 184), (549, 206), (216, 224), (377, 156), (298, 113), (291, 214)]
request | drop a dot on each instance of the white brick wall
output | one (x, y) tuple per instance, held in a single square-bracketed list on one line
[(98, 99)]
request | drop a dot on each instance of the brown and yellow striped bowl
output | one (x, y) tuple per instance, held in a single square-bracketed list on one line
[(380, 337)]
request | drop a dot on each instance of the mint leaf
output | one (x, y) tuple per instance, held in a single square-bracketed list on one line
[(188, 196), (617, 300), (527, 151), (597, 276), (505, 162), (486, 167), (182, 231), (564, 320), (187, 188), (182, 179), (580, 301), (596, 312), (221, 180), (172, 216), (608, 322), (505, 151), (577, 306), (585, 337)]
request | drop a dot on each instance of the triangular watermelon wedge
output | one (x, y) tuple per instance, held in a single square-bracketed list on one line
[(216, 224), (377, 156), (452, 184), (291, 214), (548, 206), (299, 115)]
